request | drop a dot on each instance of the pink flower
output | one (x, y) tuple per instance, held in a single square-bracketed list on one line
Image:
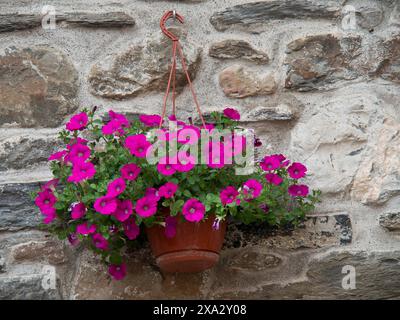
[(231, 113), (73, 239), (252, 188), (146, 207), (78, 210), (193, 210), (45, 199), (76, 140), (298, 190), (124, 122), (150, 120), (130, 171), (137, 145), (100, 242), (216, 224), (273, 178), (112, 127), (57, 155), (131, 229), (118, 272), (78, 152), (189, 135), (237, 144), (168, 190), (105, 205), (124, 210), (270, 163), (165, 167), (77, 122), (184, 162), (84, 229), (82, 171), (50, 215), (229, 195), (264, 208), (116, 187), (50, 185), (153, 194), (297, 170), (217, 157), (170, 226)]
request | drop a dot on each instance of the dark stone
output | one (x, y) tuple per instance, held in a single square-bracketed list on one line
[(235, 49), (388, 53), (15, 21), (390, 221), (318, 62), (24, 151), (38, 87), (17, 209), (255, 13)]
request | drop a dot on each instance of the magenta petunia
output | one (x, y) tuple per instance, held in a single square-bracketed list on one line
[(100, 242), (112, 127), (50, 185), (153, 194), (78, 152), (124, 122), (193, 210), (124, 210), (105, 205), (85, 229), (76, 140), (217, 158), (168, 190), (73, 239), (298, 190), (184, 162), (131, 229), (81, 171), (231, 113), (77, 122), (297, 170), (45, 199), (273, 178), (50, 216), (146, 207), (78, 210), (116, 187), (150, 120), (170, 226), (165, 167), (270, 163), (229, 195), (130, 171), (57, 155), (264, 208), (137, 145), (118, 272), (189, 134), (252, 188)]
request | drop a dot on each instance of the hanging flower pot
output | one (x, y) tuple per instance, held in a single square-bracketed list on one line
[(109, 184), (194, 247)]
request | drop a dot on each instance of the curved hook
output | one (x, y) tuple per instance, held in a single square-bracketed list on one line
[(165, 17)]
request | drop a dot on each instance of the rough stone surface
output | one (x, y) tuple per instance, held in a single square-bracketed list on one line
[(143, 68), (238, 82), (18, 152), (50, 251), (377, 180), (12, 21), (17, 210), (249, 14), (236, 49), (388, 56), (390, 221), (318, 62), (38, 86), (369, 14)]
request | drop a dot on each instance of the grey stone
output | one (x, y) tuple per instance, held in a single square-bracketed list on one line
[(2, 264), (388, 55), (144, 68), (255, 13), (369, 14), (17, 21), (26, 287), (22, 151), (318, 62), (17, 209), (390, 221), (38, 87), (236, 49)]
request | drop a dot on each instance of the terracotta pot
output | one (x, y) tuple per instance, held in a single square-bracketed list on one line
[(194, 248)]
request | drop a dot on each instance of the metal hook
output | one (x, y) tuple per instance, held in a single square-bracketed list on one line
[(165, 17)]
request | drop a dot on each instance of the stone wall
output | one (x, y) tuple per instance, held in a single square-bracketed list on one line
[(312, 88)]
